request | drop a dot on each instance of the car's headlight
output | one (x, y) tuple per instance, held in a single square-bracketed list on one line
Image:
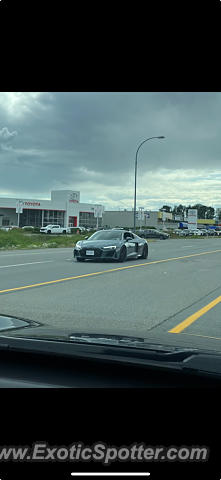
[(111, 247), (78, 247)]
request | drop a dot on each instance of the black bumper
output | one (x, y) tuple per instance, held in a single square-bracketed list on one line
[(99, 254)]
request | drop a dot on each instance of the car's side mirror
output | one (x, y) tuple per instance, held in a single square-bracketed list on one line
[(85, 238)]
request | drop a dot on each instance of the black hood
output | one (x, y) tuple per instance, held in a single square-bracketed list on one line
[(14, 327), (21, 335)]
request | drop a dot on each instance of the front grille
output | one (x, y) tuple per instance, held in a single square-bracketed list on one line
[(97, 252)]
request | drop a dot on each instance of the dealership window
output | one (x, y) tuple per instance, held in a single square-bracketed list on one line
[(87, 219), (55, 217), (33, 217), (5, 222), (30, 217)]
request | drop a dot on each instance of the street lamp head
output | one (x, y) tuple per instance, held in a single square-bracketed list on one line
[(161, 137)]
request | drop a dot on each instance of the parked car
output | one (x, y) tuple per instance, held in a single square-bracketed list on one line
[(180, 232), (152, 233), (81, 229), (55, 229), (9, 227), (196, 232), (211, 232), (5, 229), (185, 232), (204, 231)]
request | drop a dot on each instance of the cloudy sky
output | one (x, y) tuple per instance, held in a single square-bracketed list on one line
[(87, 142)]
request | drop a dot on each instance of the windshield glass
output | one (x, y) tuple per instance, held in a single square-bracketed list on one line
[(125, 162), (113, 235)]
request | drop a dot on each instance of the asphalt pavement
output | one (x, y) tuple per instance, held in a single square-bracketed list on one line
[(174, 296)]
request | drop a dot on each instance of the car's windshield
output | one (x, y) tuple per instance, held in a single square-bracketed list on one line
[(82, 171), (104, 235)]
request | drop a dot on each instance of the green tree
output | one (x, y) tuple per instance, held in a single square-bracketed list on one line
[(165, 208), (179, 209), (210, 213), (204, 211)]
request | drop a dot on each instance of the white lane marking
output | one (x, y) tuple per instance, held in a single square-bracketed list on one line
[(32, 253), (20, 264), (190, 246)]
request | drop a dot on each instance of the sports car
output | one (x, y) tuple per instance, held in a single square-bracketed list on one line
[(116, 244)]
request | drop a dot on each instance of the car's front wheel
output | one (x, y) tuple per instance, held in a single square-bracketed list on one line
[(145, 252), (123, 254)]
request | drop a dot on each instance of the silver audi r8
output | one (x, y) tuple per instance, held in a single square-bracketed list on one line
[(116, 244)]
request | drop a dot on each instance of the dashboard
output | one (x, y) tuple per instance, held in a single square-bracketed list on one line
[(27, 370)]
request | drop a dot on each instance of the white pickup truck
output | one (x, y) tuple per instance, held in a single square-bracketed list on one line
[(55, 229)]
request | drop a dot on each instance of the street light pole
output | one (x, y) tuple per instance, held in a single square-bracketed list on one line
[(135, 185)]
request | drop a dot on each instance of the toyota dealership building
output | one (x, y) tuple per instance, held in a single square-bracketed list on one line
[(64, 208)]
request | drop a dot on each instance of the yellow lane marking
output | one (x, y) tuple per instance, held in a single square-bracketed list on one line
[(189, 320), (107, 271)]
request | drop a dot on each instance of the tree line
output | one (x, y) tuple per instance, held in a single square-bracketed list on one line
[(203, 211)]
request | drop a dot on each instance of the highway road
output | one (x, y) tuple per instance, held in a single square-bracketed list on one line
[(174, 296)]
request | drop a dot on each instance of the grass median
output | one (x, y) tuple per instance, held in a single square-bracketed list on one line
[(18, 239)]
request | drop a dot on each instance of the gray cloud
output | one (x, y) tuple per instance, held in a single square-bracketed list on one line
[(5, 139), (89, 140), (5, 135)]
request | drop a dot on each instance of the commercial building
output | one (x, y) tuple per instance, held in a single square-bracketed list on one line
[(125, 218), (64, 208)]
